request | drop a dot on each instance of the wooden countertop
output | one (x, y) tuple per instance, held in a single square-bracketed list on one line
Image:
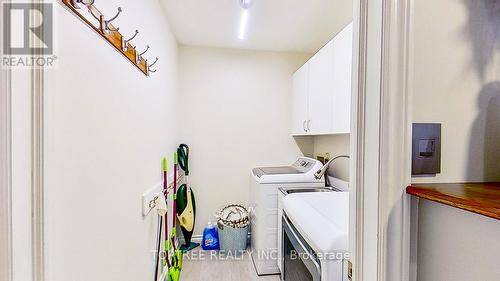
[(480, 198)]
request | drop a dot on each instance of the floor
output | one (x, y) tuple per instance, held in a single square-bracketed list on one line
[(204, 266)]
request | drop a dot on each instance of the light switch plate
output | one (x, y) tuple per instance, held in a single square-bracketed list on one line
[(426, 149)]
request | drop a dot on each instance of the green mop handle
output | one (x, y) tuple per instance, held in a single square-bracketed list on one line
[(174, 199), (165, 193)]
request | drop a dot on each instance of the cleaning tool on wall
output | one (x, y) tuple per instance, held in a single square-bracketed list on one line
[(186, 205), (166, 261), (161, 208), (158, 246), (176, 261), (186, 214)]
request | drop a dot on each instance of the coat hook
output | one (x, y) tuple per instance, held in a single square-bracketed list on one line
[(126, 41), (84, 2), (105, 23), (149, 65), (147, 48), (154, 62), (138, 58)]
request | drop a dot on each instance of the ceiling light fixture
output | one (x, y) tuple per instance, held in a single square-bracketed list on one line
[(245, 4)]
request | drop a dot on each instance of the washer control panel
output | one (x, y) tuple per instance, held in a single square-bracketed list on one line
[(304, 164)]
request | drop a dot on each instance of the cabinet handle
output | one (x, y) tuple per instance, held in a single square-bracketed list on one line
[(308, 125), (304, 125)]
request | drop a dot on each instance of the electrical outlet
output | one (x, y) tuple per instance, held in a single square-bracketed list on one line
[(323, 157)]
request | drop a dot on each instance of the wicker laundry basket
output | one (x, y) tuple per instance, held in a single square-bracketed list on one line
[(233, 225)]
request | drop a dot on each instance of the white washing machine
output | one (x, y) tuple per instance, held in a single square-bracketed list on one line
[(264, 186)]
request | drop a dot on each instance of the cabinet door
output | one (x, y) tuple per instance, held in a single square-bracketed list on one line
[(300, 100), (320, 91), (342, 61)]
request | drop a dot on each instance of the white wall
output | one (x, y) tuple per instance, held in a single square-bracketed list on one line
[(456, 83), (236, 116), (335, 145), (107, 128), (456, 245)]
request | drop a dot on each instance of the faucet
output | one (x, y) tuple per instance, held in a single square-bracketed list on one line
[(323, 170)]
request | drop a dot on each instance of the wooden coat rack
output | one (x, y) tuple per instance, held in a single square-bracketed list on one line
[(111, 33)]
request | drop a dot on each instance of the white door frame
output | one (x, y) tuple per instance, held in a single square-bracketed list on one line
[(380, 148), (38, 162), (36, 112), (5, 178), (5, 172)]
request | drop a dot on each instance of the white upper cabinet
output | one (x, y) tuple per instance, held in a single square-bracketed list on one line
[(322, 89), (342, 76), (300, 101)]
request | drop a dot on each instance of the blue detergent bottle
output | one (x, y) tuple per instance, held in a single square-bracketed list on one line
[(210, 238)]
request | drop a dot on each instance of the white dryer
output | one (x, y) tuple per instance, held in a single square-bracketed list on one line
[(265, 182)]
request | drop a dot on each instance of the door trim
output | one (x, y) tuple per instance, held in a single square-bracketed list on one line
[(365, 135), (5, 171), (37, 162), (380, 209), (395, 140), (5, 178)]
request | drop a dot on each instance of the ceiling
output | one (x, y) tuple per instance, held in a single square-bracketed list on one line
[(276, 25)]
